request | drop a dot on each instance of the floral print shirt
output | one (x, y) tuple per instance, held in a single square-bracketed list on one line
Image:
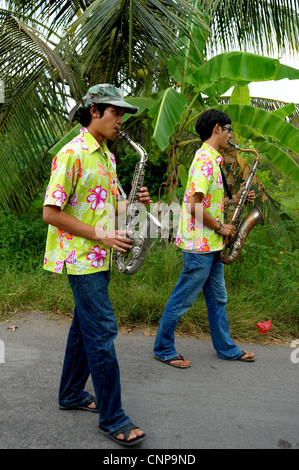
[(204, 177), (82, 183)]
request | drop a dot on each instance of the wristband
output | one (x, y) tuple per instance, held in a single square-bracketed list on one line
[(219, 230)]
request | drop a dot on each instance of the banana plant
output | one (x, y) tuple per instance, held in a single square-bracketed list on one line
[(175, 111)]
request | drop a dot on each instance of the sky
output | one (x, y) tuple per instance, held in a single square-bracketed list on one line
[(281, 90)]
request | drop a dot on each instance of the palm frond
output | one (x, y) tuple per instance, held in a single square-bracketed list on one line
[(33, 115), (265, 26), (60, 14), (115, 33)]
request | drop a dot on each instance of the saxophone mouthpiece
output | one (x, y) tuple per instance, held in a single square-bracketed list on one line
[(123, 135), (234, 145)]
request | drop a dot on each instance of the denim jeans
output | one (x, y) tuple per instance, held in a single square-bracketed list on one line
[(90, 350), (200, 271)]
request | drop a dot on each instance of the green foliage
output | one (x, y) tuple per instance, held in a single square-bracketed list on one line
[(23, 238), (155, 173)]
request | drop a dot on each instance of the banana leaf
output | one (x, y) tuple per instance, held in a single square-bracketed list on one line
[(240, 95), (226, 70), (166, 114), (285, 111), (65, 139)]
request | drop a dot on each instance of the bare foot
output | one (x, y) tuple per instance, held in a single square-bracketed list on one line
[(247, 356), (180, 362), (92, 405), (134, 433)]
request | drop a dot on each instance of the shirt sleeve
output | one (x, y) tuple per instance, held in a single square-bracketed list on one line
[(65, 170)]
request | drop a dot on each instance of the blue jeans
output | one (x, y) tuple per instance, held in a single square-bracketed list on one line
[(90, 350), (200, 271)]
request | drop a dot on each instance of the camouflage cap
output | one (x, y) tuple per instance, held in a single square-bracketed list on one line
[(108, 94)]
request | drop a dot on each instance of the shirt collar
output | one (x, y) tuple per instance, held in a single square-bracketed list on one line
[(92, 143), (219, 159)]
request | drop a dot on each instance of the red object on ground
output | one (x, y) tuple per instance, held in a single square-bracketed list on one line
[(264, 326)]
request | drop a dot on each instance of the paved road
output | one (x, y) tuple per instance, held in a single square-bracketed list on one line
[(215, 404)]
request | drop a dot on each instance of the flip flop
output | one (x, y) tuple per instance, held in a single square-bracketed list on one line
[(179, 357), (125, 430), (83, 407), (246, 359)]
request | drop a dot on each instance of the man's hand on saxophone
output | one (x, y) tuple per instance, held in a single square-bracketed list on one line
[(236, 197), (144, 197)]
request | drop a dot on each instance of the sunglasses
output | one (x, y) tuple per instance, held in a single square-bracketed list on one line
[(228, 128)]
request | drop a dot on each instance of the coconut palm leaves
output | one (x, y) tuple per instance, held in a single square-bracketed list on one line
[(33, 113), (124, 35), (264, 26)]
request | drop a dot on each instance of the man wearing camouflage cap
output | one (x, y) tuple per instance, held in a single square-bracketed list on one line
[(81, 198)]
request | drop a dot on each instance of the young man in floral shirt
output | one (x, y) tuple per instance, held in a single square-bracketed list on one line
[(80, 205), (200, 236)]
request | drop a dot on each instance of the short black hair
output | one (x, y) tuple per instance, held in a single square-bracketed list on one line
[(83, 113), (207, 121)]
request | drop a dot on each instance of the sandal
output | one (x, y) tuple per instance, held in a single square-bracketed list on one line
[(84, 407), (246, 357), (179, 357), (125, 430)]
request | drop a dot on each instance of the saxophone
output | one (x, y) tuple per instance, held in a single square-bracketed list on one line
[(232, 250), (129, 262)]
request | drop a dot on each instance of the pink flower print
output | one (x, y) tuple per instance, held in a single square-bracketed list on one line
[(201, 244), (59, 195), (191, 224), (71, 259), (58, 266), (219, 160), (83, 131), (207, 170), (97, 256), (73, 201), (207, 201), (219, 180), (178, 238), (185, 196), (112, 158), (97, 197)]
